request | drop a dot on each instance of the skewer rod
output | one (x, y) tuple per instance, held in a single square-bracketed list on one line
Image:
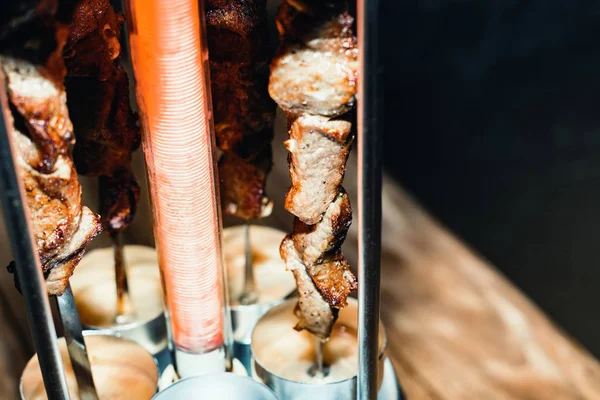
[(121, 281), (76, 345), (28, 268), (369, 198), (249, 296)]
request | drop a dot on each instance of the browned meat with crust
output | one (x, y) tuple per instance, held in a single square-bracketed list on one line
[(242, 109), (119, 197), (105, 127), (93, 43), (314, 241), (313, 311), (98, 91), (315, 70), (243, 184), (43, 134), (319, 245), (62, 266), (237, 30), (319, 148), (241, 104), (334, 279)]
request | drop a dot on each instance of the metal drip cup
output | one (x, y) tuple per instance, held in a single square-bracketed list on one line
[(122, 369), (95, 296), (284, 357), (273, 282), (216, 386)]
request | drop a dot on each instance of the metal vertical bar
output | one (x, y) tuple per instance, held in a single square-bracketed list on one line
[(369, 197), (28, 268)]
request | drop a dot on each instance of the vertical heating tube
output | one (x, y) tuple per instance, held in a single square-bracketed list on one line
[(170, 64), (370, 149)]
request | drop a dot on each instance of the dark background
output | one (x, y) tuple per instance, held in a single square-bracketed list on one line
[(492, 117)]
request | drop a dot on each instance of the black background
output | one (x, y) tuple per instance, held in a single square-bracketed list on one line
[(492, 120)]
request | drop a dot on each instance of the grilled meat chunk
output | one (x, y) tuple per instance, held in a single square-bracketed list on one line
[(314, 241), (319, 148), (237, 30), (243, 184), (61, 267), (315, 70), (43, 134), (241, 104), (119, 196), (319, 247), (106, 129), (334, 279), (93, 43), (313, 311)]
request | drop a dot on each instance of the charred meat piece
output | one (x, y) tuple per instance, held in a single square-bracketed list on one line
[(39, 101), (119, 196), (93, 43), (315, 241), (334, 279), (241, 103), (43, 134), (61, 267), (98, 92), (319, 148), (243, 111), (237, 30), (319, 246), (106, 128), (314, 313), (315, 70), (243, 184)]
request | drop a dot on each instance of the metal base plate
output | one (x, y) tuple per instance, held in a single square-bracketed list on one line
[(390, 387)]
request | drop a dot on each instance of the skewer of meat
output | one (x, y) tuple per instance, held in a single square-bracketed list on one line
[(243, 113), (106, 128), (313, 79), (237, 35), (31, 45), (98, 92)]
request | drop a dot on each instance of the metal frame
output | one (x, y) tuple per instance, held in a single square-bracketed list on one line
[(370, 152)]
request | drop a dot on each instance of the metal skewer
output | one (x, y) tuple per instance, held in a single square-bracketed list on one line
[(249, 296), (76, 345), (28, 268), (369, 197), (123, 314), (319, 369)]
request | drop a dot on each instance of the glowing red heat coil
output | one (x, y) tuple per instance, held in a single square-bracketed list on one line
[(169, 67)]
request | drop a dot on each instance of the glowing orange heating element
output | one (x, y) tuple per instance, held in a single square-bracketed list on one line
[(169, 67)]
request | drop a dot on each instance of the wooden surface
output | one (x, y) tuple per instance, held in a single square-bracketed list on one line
[(457, 329)]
